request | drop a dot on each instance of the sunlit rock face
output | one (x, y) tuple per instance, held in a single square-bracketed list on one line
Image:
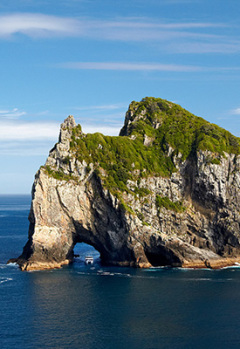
[(164, 193)]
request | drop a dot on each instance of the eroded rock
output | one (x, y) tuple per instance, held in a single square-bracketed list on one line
[(197, 223)]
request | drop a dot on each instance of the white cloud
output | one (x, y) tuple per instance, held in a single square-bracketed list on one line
[(236, 111), (101, 107), (106, 130), (129, 66), (27, 138), (225, 46), (37, 139), (23, 148), (145, 23), (182, 37), (38, 25), (147, 30), (28, 131), (41, 25), (190, 34), (11, 114), (147, 67)]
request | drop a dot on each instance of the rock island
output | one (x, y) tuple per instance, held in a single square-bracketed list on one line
[(165, 192)]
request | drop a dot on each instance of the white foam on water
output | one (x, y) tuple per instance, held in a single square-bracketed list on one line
[(84, 273), (197, 279), (4, 266), (156, 268), (12, 265), (14, 208), (111, 273), (207, 279), (175, 268), (123, 275), (12, 236), (3, 280), (107, 273), (196, 269), (234, 266)]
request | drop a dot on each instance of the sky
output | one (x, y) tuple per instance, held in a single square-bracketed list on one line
[(91, 58)]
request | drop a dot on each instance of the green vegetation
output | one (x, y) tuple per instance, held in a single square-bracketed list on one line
[(59, 175), (216, 161), (213, 160), (127, 158), (142, 191), (125, 207), (185, 132), (164, 201), (120, 157), (141, 217)]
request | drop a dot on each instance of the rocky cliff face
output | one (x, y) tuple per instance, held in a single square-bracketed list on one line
[(165, 192)]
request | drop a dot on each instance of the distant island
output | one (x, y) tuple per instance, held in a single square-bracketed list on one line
[(165, 192)]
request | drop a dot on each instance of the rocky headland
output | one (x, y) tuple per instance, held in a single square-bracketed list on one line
[(165, 192)]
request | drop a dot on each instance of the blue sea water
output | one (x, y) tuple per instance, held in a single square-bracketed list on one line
[(100, 307)]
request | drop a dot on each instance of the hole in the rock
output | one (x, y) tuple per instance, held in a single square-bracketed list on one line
[(85, 253)]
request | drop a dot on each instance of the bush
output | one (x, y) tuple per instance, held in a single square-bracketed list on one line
[(165, 202)]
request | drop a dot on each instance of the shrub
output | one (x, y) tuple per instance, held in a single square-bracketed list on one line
[(164, 201)]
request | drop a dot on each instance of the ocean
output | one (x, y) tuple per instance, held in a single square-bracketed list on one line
[(97, 307)]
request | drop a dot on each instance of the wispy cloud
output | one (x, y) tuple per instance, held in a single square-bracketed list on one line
[(218, 46), (146, 24), (24, 131), (106, 130), (236, 111), (21, 138), (11, 114), (183, 37), (26, 148), (101, 108), (144, 67), (37, 138), (38, 25), (129, 66), (143, 29), (41, 25)]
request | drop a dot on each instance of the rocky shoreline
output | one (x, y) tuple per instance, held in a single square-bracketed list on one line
[(217, 264)]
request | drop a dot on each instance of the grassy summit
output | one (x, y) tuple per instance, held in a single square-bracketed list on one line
[(155, 131), (179, 128)]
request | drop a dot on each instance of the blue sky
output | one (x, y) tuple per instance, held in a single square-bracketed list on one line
[(91, 58)]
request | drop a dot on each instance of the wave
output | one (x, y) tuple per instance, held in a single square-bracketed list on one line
[(14, 208), (235, 266), (23, 236), (12, 265), (4, 266), (208, 279), (107, 273), (4, 279), (159, 268)]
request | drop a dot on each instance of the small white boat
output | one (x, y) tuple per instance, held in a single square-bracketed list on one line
[(88, 260)]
